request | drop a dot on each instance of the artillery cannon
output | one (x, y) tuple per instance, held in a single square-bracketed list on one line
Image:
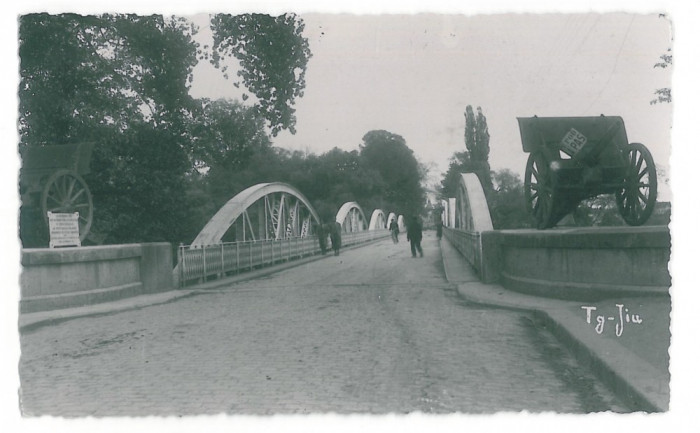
[(575, 158), (51, 180)]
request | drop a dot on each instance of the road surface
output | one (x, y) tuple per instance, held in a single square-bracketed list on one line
[(370, 331)]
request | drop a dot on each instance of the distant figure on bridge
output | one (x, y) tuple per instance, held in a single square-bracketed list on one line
[(394, 229), (438, 228), (322, 234), (414, 233), (335, 237)]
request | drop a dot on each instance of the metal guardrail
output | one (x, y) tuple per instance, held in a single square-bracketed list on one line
[(468, 243), (221, 260)]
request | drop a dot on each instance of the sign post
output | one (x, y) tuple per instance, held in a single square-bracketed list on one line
[(64, 229)]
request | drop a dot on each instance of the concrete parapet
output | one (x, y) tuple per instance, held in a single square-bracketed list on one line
[(70, 277), (491, 252), (583, 263), (469, 245), (575, 264)]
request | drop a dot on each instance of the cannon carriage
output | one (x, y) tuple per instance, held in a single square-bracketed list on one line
[(575, 158), (51, 181)]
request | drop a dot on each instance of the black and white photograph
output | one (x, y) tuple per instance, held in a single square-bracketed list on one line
[(289, 215)]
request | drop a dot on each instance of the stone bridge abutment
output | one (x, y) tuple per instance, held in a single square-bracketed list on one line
[(573, 263)]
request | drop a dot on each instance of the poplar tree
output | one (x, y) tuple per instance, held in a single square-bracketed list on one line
[(476, 139)]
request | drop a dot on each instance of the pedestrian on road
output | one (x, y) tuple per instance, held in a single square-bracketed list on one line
[(414, 234), (335, 237), (322, 233), (438, 228), (394, 229)]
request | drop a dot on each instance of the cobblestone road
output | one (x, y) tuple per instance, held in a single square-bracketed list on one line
[(370, 331)]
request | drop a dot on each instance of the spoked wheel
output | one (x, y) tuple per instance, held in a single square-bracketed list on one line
[(539, 191), (67, 192), (636, 199)]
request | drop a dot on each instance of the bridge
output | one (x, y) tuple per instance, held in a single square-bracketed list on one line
[(254, 248), (276, 223), (272, 223)]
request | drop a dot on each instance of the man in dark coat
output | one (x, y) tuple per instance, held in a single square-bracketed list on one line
[(394, 228), (322, 237), (335, 237), (414, 233)]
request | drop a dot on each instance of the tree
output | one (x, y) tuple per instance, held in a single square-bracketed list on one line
[(138, 183), (273, 56), (663, 94), (474, 159), (120, 81), (230, 149), (459, 163), (401, 174), (331, 179), (507, 206), (503, 189), (82, 74), (476, 139), (226, 134)]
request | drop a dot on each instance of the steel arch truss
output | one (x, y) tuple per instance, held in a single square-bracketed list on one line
[(351, 218), (472, 211), (377, 221), (266, 211)]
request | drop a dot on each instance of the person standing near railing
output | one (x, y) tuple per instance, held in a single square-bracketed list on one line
[(335, 237), (322, 234)]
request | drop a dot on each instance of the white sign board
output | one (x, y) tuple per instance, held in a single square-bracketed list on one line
[(64, 229), (573, 142)]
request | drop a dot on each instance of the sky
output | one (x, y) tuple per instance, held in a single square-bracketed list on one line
[(414, 75)]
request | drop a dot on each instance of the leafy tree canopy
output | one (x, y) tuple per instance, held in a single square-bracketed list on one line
[(121, 82), (273, 56), (81, 73), (226, 134), (401, 173), (508, 210), (503, 189), (663, 94)]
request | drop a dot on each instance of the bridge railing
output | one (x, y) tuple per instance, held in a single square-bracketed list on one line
[(468, 243), (196, 265)]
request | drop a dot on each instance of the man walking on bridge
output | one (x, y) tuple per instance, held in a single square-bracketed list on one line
[(394, 228), (414, 233)]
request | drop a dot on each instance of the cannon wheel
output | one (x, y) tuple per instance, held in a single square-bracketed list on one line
[(636, 199), (66, 192), (539, 191)]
